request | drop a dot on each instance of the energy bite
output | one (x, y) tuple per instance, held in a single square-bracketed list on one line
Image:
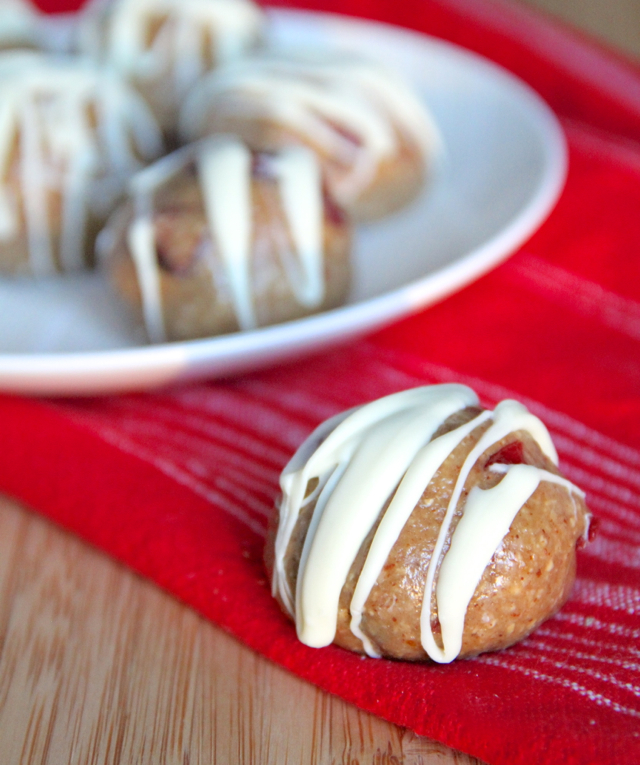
[(71, 136), (216, 238), (163, 47), (373, 134), (422, 526)]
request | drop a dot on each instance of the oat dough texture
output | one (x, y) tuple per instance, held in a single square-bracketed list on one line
[(423, 526), (216, 238)]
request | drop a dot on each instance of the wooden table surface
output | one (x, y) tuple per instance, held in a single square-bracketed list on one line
[(99, 666)]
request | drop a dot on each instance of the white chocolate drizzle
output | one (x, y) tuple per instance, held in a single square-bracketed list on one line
[(225, 181), (383, 454), (311, 96), (141, 238), (224, 166), (300, 179), (70, 129)]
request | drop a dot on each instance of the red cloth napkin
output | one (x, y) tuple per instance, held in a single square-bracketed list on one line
[(179, 484)]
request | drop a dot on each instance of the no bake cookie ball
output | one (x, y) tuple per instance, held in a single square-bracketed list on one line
[(163, 47), (373, 134), (71, 136), (217, 238), (422, 526)]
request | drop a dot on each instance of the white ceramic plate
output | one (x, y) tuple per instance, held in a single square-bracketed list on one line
[(502, 170)]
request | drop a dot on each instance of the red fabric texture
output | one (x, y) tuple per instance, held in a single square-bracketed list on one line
[(178, 484)]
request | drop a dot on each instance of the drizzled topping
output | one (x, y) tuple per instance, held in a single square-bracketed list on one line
[(382, 453), (68, 128), (351, 109), (224, 171)]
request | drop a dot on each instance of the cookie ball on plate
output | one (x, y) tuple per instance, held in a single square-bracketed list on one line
[(373, 133), (163, 47), (216, 238), (70, 137), (422, 526)]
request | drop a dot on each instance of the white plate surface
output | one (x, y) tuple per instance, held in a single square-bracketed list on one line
[(500, 174)]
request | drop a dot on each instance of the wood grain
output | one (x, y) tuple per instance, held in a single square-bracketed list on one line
[(99, 666)]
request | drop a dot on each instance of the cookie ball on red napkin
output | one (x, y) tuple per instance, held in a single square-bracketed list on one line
[(424, 526)]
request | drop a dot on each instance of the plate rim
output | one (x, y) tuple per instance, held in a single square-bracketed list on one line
[(83, 372)]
